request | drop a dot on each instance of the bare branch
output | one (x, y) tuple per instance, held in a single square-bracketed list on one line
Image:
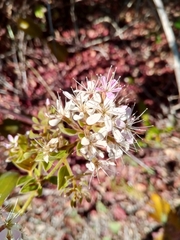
[(74, 21), (170, 38), (43, 82), (18, 116)]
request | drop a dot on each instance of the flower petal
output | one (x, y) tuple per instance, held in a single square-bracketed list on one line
[(90, 166), (68, 95), (53, 141), (54, 122), (79, 116), (3, 234), (117, 135), (93, 118), (108, 123), (85, 141), (16, 234)]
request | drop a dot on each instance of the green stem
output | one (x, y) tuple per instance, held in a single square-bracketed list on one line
[(55, 169), (40, 166), (68, 167), (69, 170), (27, 203)]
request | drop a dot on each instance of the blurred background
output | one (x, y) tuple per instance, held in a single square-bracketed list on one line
[(44, 46)]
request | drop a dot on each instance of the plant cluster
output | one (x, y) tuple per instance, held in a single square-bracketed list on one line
[(92, 122)]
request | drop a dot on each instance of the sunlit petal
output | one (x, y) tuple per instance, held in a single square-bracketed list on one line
[(93, 118), (54, 122), (85, 141)]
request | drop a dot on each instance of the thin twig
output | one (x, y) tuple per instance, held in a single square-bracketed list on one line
[(16, 116), (51, 29), (43, 82), (74, 21), (119, 31), (22, 62), (7, 85), (170, 38)]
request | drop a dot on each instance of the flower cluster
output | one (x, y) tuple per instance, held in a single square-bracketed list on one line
[(103, 124), (93, 121)]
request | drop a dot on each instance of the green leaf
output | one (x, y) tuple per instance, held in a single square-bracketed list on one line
[(29, 187), (158, 39), (53, 180), (59, 51), (37, 171), (24, 179), (78, 147), (36, 127), (153, 134), (114, 226), (177, 24), (27, 155), (40, 190), (23, 142), (39, 11), (8, 182), (62, 173), (81, 135), (35, 120), (61, 154), (69, 148), (41, 114), (46, 165), (29, 27), (81, 123), (68, 131), (39, 157), (33, 135), (26, 165)]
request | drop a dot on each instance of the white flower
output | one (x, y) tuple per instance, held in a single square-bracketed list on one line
[(94, 118), (56, 118), (13, 141), (91, 144), (77, 105), (123, 127), (51, 146), (120, 111), (123, 135), (95, 166), (93, 108), (47, 148), (102, 112), (88, 89), (108, 86), (47, 102), (114, 150), (60, 112), (128, 136)]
